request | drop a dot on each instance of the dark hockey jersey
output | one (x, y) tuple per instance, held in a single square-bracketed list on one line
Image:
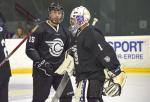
[(92, 55), (48, 44), (5, 68)]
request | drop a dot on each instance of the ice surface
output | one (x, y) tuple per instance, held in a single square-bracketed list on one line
[(136, 89)]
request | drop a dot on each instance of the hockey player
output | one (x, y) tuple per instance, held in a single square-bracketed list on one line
[(5, 72), (47, 47), (91, 54)]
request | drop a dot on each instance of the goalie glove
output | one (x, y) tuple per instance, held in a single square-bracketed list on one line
[(44, 66), (113, 84)]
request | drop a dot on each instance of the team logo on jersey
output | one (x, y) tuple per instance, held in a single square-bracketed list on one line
[(1, 29), (55, 47)]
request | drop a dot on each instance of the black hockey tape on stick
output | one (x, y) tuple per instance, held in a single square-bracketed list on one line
[(14, 50)]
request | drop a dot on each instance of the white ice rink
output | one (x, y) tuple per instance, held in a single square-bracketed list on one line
[(137, 89)]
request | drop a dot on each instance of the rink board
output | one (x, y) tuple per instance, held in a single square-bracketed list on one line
[(127, 70), (133, 53)]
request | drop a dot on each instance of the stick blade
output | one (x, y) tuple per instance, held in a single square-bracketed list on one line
[(61, 87)]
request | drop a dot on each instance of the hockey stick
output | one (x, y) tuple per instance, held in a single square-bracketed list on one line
[(61, 87), (94, 21), (25, 38), (65, 78), (66, 69)]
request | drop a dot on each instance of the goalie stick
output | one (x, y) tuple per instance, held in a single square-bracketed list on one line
[(65, 78), (61, 87)]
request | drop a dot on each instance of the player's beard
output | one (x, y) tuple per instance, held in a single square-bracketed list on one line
[(55, 20)]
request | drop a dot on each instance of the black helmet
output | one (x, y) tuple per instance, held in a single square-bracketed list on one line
[(55, 6)]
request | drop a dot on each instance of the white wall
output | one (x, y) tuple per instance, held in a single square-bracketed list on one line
[(132, 51), (19, 58)]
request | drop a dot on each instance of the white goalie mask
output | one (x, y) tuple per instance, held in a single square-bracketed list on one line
[(78, 17)]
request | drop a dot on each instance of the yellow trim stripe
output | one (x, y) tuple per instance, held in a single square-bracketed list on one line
[(127, 70), (137, 70), (21, 71)]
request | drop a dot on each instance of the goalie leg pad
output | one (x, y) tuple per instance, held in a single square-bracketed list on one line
[(67, 65)]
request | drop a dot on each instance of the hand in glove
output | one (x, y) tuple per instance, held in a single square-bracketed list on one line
[(44, 66)]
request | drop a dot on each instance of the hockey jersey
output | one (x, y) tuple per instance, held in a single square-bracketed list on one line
[(48, 44), (5, 68), (92, 54)]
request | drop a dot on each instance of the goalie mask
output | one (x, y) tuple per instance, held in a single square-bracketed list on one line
[(113, 84), (79, 16), (56, 7)]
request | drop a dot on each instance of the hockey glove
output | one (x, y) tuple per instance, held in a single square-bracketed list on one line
[(113, 84), (44, 66)]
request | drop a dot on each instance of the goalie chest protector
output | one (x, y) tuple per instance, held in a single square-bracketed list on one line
[(86, 64)]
